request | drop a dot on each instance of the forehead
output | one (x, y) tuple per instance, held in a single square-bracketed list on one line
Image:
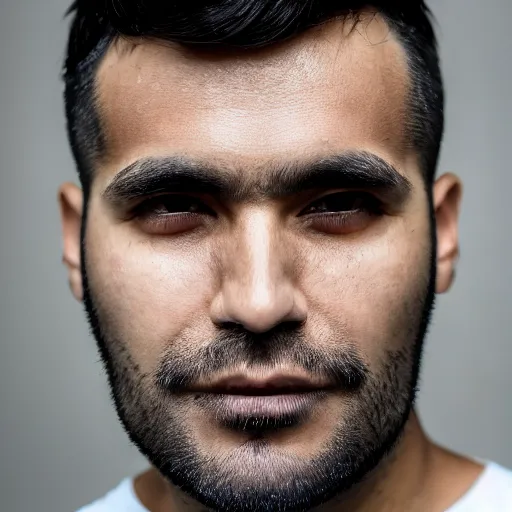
[(334, 88)]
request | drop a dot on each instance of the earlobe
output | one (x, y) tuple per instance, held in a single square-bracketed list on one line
[(71, 209), (447, 199)]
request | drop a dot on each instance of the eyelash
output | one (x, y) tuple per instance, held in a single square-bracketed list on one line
[(147, 212), (346, 221)]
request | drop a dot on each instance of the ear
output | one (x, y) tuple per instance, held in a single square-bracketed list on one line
[(447, 199), (71, 211)]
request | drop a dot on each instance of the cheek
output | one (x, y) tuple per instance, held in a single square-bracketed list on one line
[(372, 292), (145, 297), (148, 296)]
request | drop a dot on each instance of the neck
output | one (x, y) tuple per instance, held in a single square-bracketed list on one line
[(408, 479), (397, 480)]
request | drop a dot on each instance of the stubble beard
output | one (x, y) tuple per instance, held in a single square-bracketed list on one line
[(379, 410)]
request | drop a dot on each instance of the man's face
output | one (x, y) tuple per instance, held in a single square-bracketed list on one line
[(314, 294)]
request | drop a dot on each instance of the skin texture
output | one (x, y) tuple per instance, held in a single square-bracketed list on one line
[(162, 290)]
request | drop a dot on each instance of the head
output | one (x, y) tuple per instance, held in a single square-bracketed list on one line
[(258, 206)]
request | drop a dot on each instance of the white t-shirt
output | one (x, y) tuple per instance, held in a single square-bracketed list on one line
[(492, 492)]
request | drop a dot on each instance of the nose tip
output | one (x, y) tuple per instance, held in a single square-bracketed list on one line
[(261, 310), (258, 284)]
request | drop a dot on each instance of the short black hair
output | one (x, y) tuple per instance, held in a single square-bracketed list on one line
[(241, 23)]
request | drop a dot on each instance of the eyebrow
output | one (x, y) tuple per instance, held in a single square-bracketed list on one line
[(351, 170)]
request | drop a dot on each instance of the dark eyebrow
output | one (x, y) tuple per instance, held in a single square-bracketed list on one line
[(351, 170)]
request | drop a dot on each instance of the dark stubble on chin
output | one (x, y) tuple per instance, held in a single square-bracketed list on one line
[(152, 413)]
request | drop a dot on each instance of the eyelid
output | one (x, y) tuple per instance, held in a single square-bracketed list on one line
[(145, 204), (347, 191), (371, 200)]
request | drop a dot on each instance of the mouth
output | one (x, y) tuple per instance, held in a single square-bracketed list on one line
[(278, 384), (280, 401)]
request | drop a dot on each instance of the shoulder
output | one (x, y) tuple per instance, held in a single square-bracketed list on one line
[(499, 482), (120, 498), (503, 480), (492, 492)]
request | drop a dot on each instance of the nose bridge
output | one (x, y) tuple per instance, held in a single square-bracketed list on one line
[(257, 285)]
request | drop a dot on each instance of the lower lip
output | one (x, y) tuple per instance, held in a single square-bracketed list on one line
[(293, 405)]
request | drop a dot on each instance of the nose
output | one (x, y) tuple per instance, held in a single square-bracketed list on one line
[(257, 285)]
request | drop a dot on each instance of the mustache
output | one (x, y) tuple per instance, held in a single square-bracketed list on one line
[(342, 366)]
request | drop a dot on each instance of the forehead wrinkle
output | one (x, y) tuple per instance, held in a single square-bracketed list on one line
[(136, 111)]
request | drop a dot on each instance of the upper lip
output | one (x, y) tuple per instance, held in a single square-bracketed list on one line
[(272, 385)]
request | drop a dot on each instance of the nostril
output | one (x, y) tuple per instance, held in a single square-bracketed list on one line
[(235, 306)]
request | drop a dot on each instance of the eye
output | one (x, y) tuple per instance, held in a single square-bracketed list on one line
[(173, 203), (343, 202), (171, 213), (342, 212)]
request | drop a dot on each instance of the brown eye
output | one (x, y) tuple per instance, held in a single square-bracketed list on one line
[(342, 212), (342, 202), (172, 214), (175, 204)]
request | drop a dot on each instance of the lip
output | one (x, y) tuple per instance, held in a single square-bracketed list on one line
[(260, 413), (272, 385), (270, 402)]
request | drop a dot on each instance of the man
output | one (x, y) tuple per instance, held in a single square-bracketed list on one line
[(258, 241)]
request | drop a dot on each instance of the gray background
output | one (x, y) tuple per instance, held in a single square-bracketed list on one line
[(61, 445)]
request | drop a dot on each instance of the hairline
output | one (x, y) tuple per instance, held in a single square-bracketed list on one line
[(90, 66)]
